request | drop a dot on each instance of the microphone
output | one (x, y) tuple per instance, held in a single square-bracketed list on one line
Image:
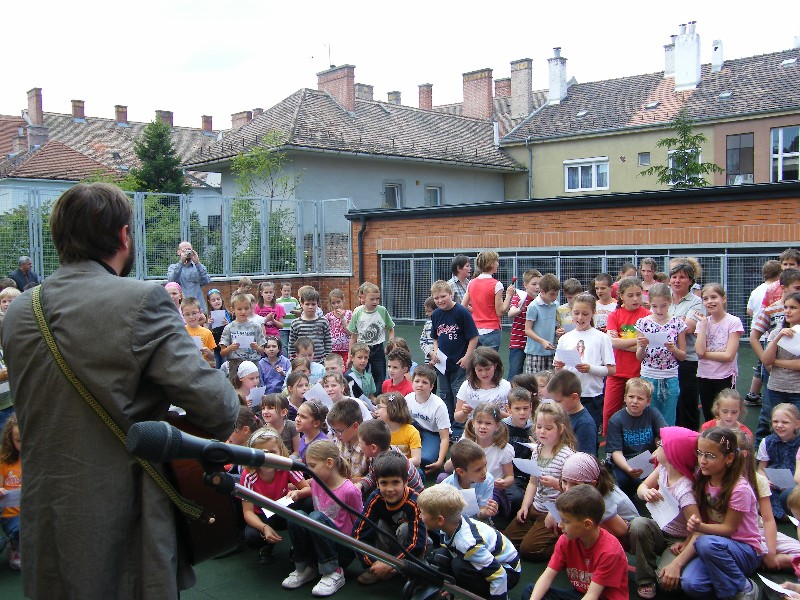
[(158, 441)]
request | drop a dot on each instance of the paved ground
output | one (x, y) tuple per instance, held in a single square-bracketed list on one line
[(240, 576)]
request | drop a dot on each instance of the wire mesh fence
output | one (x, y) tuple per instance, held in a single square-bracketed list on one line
[(232, 235), (407, 279)]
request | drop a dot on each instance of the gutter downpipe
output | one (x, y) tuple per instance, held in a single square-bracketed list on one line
[(361, 250), (530, 168)]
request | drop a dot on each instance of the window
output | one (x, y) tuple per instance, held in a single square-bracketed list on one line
[(433, 195), (785, 154), (585, 174), (644, 159), (675, 169), (739, 161), (392, 195)]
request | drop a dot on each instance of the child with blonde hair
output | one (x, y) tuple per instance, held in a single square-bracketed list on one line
[(393, 409), (338, 317), (779, 451), (484, 298), (728, 409)]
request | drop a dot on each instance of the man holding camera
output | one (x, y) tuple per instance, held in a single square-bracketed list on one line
[(190, 273)]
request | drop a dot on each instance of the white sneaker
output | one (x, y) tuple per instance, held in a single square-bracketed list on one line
[(298, 578), (329, 584)]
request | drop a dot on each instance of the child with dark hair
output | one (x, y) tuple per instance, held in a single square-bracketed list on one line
[(565, 388), (520, 430), (344, 419), (540, 326), (375, 440), (469, 472), (393, 508), (10, 479), (398, 364)]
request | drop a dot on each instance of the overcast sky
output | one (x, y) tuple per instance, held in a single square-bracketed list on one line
[(197, 57)]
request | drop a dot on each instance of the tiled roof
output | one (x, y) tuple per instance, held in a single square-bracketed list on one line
[(98, 139), (9, 127), (313, 120), (501, 107), (758, 84), (54, 160)]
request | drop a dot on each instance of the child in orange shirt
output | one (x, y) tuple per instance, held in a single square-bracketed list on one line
[(11, 479)]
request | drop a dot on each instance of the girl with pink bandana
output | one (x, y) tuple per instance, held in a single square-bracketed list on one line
[(672, 547)]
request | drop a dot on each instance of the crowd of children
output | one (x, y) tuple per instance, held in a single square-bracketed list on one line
[(585, 450)]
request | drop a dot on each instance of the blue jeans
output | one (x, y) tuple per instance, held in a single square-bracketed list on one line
[(516, 361), (490, 340), (665, 397), (285, 342), (720, 569), (377, 364), (308, 547), (10, 526), (764, 427), (447, 387), (594, 404), (430, 446), (4, 414), (626, 483)]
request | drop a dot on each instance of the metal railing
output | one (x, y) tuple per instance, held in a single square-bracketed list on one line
[(234, 236)]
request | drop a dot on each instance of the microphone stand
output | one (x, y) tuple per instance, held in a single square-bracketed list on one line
[(423, 583)]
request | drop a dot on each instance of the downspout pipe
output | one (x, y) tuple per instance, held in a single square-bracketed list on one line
[(530, 168), (361, 250)]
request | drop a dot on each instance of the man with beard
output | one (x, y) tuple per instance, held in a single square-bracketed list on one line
[(93, 524)]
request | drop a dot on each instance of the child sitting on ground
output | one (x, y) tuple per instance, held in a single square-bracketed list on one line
[(430, 418), (393, 409), (393, 508), (469, 472), (480, 558), (398, 364), (520, 430), (375, 440), (593, 558), (362, 385), (728, 409), (344, 419)]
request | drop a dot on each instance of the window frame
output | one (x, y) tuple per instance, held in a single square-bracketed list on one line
[(780, 156), (594, 162), (642, 155), (397, 185), (730, 172), (698, 152), (440, 193)]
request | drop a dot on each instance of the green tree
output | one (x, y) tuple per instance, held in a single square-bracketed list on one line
[(127, 183), (686, 170), (160, 165), (261, 170)]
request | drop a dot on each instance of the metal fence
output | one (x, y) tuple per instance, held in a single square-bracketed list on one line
[(233, 235), (406, 279)]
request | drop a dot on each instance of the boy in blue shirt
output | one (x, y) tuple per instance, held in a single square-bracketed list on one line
[(469, 472), (540, 326), (565, 388)]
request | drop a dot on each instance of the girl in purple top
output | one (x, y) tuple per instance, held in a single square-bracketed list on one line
[(274, 366), (310, 424)]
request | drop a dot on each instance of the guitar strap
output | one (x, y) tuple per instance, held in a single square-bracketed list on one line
[(189, 509)]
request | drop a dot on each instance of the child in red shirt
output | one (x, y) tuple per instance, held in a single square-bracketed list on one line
[(398, 363)]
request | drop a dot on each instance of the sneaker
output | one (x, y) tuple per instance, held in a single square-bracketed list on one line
[(265, 554), (298, 578), (752, 594), (329, 584), (752, 400), (368, 578), (14, 559)]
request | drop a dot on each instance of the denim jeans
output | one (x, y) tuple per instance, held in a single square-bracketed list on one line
[(516, 360), (309, 547), (665, 397), (430, 445), (490, 340), (447, 387), (285, 342), (377, 364), (720, 569)]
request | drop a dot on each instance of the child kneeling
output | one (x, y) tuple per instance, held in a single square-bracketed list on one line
[(480, 558), (594, 559)]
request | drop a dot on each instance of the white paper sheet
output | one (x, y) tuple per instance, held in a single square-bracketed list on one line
[(441, 364), (318, 393), (642, 461), (551, 508), (218, 318), (244, 341), (664, 511), (655, 339), (10, 499), (794, 521), (255, 396), (285, 501), (781, 590), (198, 341), (570, 358), (529, 466), (472, 508), (781, 478), (791, 344)]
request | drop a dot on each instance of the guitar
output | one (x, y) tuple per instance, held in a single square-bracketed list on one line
[(219, 533)]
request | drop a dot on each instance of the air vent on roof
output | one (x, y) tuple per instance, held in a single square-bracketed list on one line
[(652, 105), (789, 61), (725, 95), (582, 113)]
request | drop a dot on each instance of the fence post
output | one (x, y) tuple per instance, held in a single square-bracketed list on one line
[(266, 250), (185, 212), (35, 249), (319, 235), (300, 256), (139, 236), (225, 237)]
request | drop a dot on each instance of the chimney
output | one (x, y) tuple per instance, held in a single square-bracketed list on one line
[(364, 92), (687, 58), (521, 88), (716, 56), (502, 87), (426, 96), (339, 82), (165, 116), (207, 127), (121, 115), (241, 118), (558, 77), (669, 58), (35, 107), (78, 114), (478, 94), (394, 97), (20, 143), (257, 112)]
